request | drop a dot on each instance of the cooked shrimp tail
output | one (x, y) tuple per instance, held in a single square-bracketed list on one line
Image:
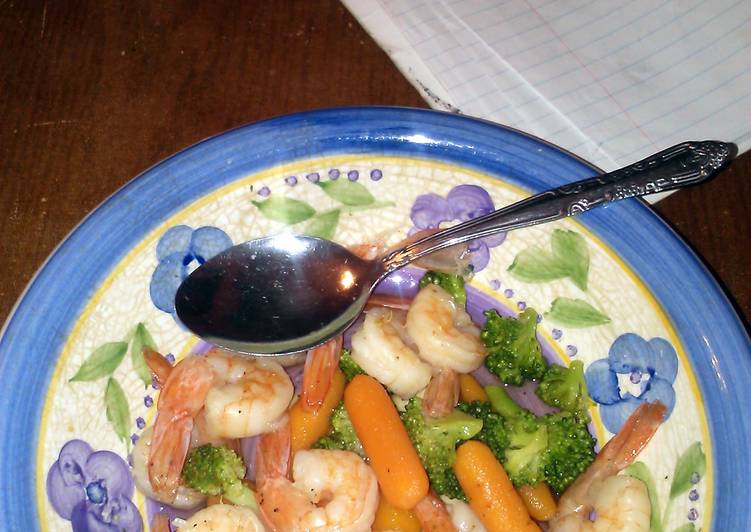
[(635, 434), (160, 523), (432, 514), (158, 365), (620, 502), (442, 394), (320, 366), (273, 452), (181, 399)]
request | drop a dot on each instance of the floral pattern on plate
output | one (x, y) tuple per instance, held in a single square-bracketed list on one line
[(590, 311)]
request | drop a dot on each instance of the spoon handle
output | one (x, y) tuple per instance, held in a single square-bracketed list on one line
[(684, 164)]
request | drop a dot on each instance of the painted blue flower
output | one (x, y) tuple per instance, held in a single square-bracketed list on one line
[(180, 250), (92, 490), (635, 371), (462, 203)]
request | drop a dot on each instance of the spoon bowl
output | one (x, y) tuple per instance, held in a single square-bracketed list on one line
[(287, 293), (277, 294)]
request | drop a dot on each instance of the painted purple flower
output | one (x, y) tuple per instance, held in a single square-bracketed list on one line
[(92, 490), (179, 250), (635, 371), (462, 203)]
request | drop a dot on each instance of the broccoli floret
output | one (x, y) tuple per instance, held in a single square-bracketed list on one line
[(514, 354), (218, 471), (524, 456), (435, 441), (493, 433), (453, 284), (570, 449), (349, 367), (342, 434), (555, 448), (565, 388)]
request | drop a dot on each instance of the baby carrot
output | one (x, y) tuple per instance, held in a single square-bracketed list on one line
[(307, 427), (470, 390), (391, 518), (400, 473), (539, 501), (490, 492)]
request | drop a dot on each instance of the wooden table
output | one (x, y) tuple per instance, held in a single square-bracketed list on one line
[(92, 95)]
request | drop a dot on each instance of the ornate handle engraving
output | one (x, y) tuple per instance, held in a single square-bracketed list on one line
[(684, 164)]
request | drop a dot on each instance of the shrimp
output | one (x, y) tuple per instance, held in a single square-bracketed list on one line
[(620, 502), (442, 394), (181, 399), (320, 366), (444, 332), (184, 497), (432, 514), (248, 395), (332, 490), (239, 397), (463, 517), (224, 517), (380, 348)]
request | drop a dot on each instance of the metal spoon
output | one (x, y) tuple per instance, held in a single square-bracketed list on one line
[(286, 293)]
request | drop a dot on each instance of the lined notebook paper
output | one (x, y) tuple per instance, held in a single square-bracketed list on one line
[(612, 82)]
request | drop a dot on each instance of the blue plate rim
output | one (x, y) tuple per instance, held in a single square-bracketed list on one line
[(449, 131)]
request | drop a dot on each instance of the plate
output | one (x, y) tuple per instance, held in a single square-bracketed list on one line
[(616, 288)]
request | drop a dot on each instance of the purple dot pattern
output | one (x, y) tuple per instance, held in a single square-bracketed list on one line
[(693, 495), (521, 305), (495, 284), (170, 358), (148, 401), (557, 333), (133, 438), (334, 174), (291, 180), (508, 292), (376, 175), (353, 175), (693, 514), (695, 478), (264, 192), (313, 177), (571, 350), (140, 422)]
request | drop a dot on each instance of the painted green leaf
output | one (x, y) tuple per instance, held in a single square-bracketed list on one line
[(690, 462), (570, 250), (575, 313), (688, 527), (141, 339), (569, 258), (641, 471), (536, 265), (102, 362), (323, 225), (118, 412), (285, 210), (347, 192)]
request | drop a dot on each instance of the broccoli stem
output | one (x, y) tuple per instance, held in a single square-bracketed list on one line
[(241, 495), (502, 402)]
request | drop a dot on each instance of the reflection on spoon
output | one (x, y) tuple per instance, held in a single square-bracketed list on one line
[(287, 293)]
